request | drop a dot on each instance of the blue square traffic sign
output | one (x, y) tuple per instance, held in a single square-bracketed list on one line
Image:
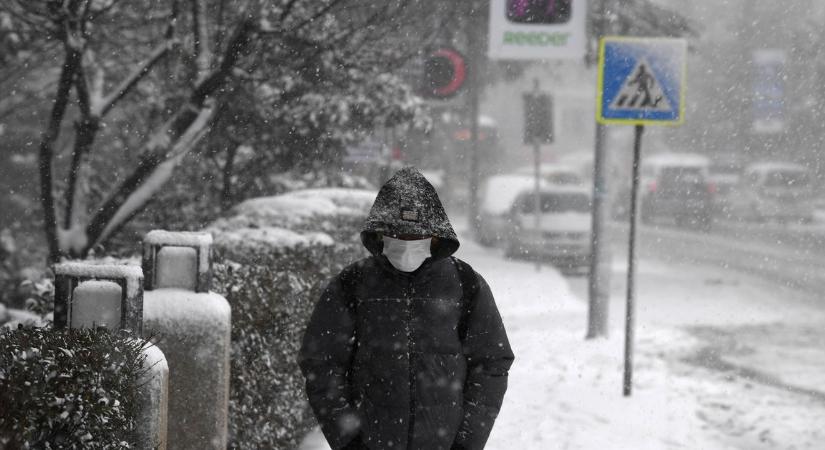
[(641, 81)]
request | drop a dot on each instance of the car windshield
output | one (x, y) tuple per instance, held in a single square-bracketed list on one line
[(556, 202), (724, 170), (787, 178), (563, 178), (681, 173)]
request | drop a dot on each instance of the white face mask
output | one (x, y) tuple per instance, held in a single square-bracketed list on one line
[(406, 256)]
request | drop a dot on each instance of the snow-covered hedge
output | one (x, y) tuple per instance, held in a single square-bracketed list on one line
[(68, 389), (338, 212), (272, 259)]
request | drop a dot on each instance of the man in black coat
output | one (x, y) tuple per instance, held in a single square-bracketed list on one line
[(406, 349)]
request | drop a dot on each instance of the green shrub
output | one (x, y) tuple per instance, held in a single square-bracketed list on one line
[(68, 389), (272, 288)]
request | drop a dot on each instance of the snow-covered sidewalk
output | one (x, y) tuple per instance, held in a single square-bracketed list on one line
[(565, 391)]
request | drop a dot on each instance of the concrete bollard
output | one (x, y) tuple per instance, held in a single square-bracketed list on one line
[(192, 327), (153, 421), (111, 296)]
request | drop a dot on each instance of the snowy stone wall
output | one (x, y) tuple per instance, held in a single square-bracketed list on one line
[(271, 260)]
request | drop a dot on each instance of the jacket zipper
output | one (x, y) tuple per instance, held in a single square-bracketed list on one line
[(411, 420)]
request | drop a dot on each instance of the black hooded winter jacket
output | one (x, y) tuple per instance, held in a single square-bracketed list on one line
[(399, 360)]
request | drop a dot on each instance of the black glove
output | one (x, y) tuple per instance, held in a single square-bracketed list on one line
[(355, 444)]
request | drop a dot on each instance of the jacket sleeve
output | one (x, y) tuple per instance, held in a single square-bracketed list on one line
[(489, 358), (324, 359)]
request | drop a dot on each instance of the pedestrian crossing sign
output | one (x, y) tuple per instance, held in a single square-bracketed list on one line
[(641, 81)]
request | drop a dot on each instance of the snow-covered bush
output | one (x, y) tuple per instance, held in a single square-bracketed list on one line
[(21, 271), (68, 389), (272, 259), (337, 212)]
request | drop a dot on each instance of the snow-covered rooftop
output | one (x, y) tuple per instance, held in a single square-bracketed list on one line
[(501, 190), (677, 159), (768, 166), (548, 169)]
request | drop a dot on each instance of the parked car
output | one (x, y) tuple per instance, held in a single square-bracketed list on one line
[(725, 176), (563, 235), (778, 191), (677, 186), (553, 173), (497, 195)]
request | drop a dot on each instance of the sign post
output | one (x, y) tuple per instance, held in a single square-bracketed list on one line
[(538, 129), (641, 82)]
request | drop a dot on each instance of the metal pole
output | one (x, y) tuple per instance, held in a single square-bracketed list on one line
[(630, 315), (599, 280), (598, 291), (537, 175), (475, 54), (474, 157), (537, 197)]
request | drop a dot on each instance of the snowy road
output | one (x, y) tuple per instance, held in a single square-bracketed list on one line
[(793, 256), (754, 296)]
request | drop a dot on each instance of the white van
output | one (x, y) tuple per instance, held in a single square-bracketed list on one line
[(497, 195), (563, 235), (774, 191)]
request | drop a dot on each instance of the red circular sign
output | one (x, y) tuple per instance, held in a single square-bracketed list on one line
[(445, 73)]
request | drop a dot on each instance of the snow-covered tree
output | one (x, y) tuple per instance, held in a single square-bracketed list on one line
[(143, 81)]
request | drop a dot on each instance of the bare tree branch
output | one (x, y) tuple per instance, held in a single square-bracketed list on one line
[(237, 44), (220, 29), (85, 131), (99, 12), (82, 90), (203, 57), (318, 14), (132, 79), (173, 19), (287, 9), (61, 100), (172, 133), (149, 178)]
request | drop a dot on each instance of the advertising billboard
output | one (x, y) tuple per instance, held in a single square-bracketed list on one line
[(538, 29)]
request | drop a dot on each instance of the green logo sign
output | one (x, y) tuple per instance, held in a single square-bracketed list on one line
[(536, 38)]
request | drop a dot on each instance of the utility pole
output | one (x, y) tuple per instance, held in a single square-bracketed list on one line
[(599, 280), (536, 174), (475, 55), (747, 37)]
